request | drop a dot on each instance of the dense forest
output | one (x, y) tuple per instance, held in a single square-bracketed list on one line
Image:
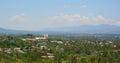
[(60, 49)]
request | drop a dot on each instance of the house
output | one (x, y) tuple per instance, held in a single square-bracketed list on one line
[(44, 56), (29, 39), (8, 51), (55, 41), (15, 49), (44, 38), (49, 55), (18, 50)]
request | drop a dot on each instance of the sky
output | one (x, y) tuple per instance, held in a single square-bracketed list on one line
[(46, 14)]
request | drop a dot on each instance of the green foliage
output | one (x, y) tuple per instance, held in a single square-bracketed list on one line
[(87, 49)]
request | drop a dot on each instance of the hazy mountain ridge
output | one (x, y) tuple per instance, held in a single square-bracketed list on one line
[(106, 29), (10, 31), (112, 29)]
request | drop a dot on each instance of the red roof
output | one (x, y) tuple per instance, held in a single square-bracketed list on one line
[(30, 39), (42, 38)]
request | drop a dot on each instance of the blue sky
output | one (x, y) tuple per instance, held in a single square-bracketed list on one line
[(44, 14)]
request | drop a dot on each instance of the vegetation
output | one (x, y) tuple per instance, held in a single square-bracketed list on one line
[(60, 49)]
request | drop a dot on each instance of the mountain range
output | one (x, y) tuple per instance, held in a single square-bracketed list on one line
[(92, 29)]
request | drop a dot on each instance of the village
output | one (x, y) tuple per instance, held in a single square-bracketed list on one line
[(41, 43), (58, 49)]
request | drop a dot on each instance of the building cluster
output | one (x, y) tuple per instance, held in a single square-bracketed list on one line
[(44, 38)]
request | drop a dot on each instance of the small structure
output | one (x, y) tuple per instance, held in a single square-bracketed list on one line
[(29, 39), (8, 51), (18, 50), (44, 38), (44, 56), (49, 55), (55, 41)]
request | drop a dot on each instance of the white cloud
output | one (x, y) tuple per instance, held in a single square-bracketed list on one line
[(101, 20), (19, 17), (77, 19), (74, 17)]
